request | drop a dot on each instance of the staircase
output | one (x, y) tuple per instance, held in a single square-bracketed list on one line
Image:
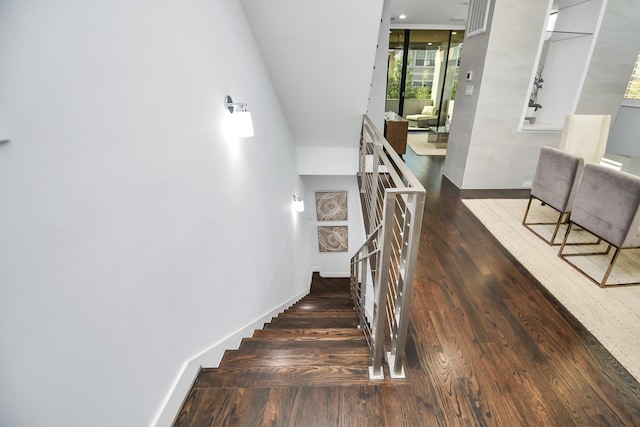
[(315, 343)]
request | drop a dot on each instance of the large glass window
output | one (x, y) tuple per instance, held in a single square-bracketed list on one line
[(423, 72)]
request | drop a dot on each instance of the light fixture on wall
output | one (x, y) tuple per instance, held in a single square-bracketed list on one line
[(298, 204), (240, 120)]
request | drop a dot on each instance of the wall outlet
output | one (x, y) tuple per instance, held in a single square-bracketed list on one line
[(526, 184)]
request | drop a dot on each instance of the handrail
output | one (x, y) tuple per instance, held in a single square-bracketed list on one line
[(382, 269)]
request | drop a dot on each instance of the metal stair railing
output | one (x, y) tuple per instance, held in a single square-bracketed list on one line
[(383, 268)]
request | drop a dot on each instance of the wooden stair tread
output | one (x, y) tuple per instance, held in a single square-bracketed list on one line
[(327, 296), (251, 345), (327, 339), (341, 322), (329, 313), (270, 357), (301, 334), (322, 305), (309, 376)]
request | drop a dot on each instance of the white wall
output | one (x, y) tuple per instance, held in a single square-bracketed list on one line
[(567, 60), (499, 155), (335, 264), (320, 57), (133, 234), (623, 138), (486, 148), (613, 58)]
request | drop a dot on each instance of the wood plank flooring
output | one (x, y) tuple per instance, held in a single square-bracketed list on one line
[(487, 346)]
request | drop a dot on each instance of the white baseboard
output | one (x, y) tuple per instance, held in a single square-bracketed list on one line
[(210, 358)]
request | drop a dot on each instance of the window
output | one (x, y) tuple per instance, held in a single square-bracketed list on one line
[(633, 87), (422, 65)]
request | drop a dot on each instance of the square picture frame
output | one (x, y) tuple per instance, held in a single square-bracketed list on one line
[(331, 206), (333, 238)]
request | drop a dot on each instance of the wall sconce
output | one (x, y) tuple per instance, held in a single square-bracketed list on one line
[(298, 204), (240, 119)]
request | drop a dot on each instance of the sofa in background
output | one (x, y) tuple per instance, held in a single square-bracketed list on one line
[(426, 116)]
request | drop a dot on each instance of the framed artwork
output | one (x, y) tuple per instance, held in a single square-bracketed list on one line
[(333, 238), (331, 205)]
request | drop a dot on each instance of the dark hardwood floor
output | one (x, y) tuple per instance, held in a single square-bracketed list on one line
[(488, 346)]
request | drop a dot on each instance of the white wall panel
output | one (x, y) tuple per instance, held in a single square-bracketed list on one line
[(134, 235)]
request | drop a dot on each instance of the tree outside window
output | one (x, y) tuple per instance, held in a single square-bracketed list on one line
[(633, 87), (411, 91)]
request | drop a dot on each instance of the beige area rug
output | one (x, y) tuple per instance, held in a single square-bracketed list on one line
[(419, 144), (612, 315)]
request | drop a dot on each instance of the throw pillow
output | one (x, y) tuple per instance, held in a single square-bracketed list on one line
[(428, 110)]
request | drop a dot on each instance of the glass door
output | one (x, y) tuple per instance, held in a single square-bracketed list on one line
[(422, 75), (450, 79), (396, 76)]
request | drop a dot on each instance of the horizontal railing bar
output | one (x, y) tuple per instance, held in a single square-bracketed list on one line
[(404, 169)]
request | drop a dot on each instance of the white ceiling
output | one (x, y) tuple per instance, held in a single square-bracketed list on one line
[(431, 14)]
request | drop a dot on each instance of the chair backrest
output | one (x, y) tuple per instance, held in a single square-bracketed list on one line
[(586, 135), (607, 204), (557, 177)]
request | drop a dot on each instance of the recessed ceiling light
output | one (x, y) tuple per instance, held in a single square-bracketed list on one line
[(454, 32), (402, 16)]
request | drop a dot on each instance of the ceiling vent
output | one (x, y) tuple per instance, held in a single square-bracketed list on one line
[(478, 15)]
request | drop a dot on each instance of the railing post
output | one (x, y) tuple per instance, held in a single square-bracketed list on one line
[(373, 200), (381, 290), (393, 233), (411, 238)]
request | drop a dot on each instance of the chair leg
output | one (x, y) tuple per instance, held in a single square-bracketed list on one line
[(557, 227), (564, 239), (527, 211), (563, 217), (610, 267)]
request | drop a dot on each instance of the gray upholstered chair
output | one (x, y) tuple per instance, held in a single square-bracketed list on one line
[(607, 205), (554, 184)]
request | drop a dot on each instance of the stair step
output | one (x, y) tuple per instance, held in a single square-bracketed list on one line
[(253, 344), (261, 376), (326, 334), (270, 357), (346, 312), (327, 339), (329, 295), (321, 284), (328, 313), (322, 304), (306, 322)]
